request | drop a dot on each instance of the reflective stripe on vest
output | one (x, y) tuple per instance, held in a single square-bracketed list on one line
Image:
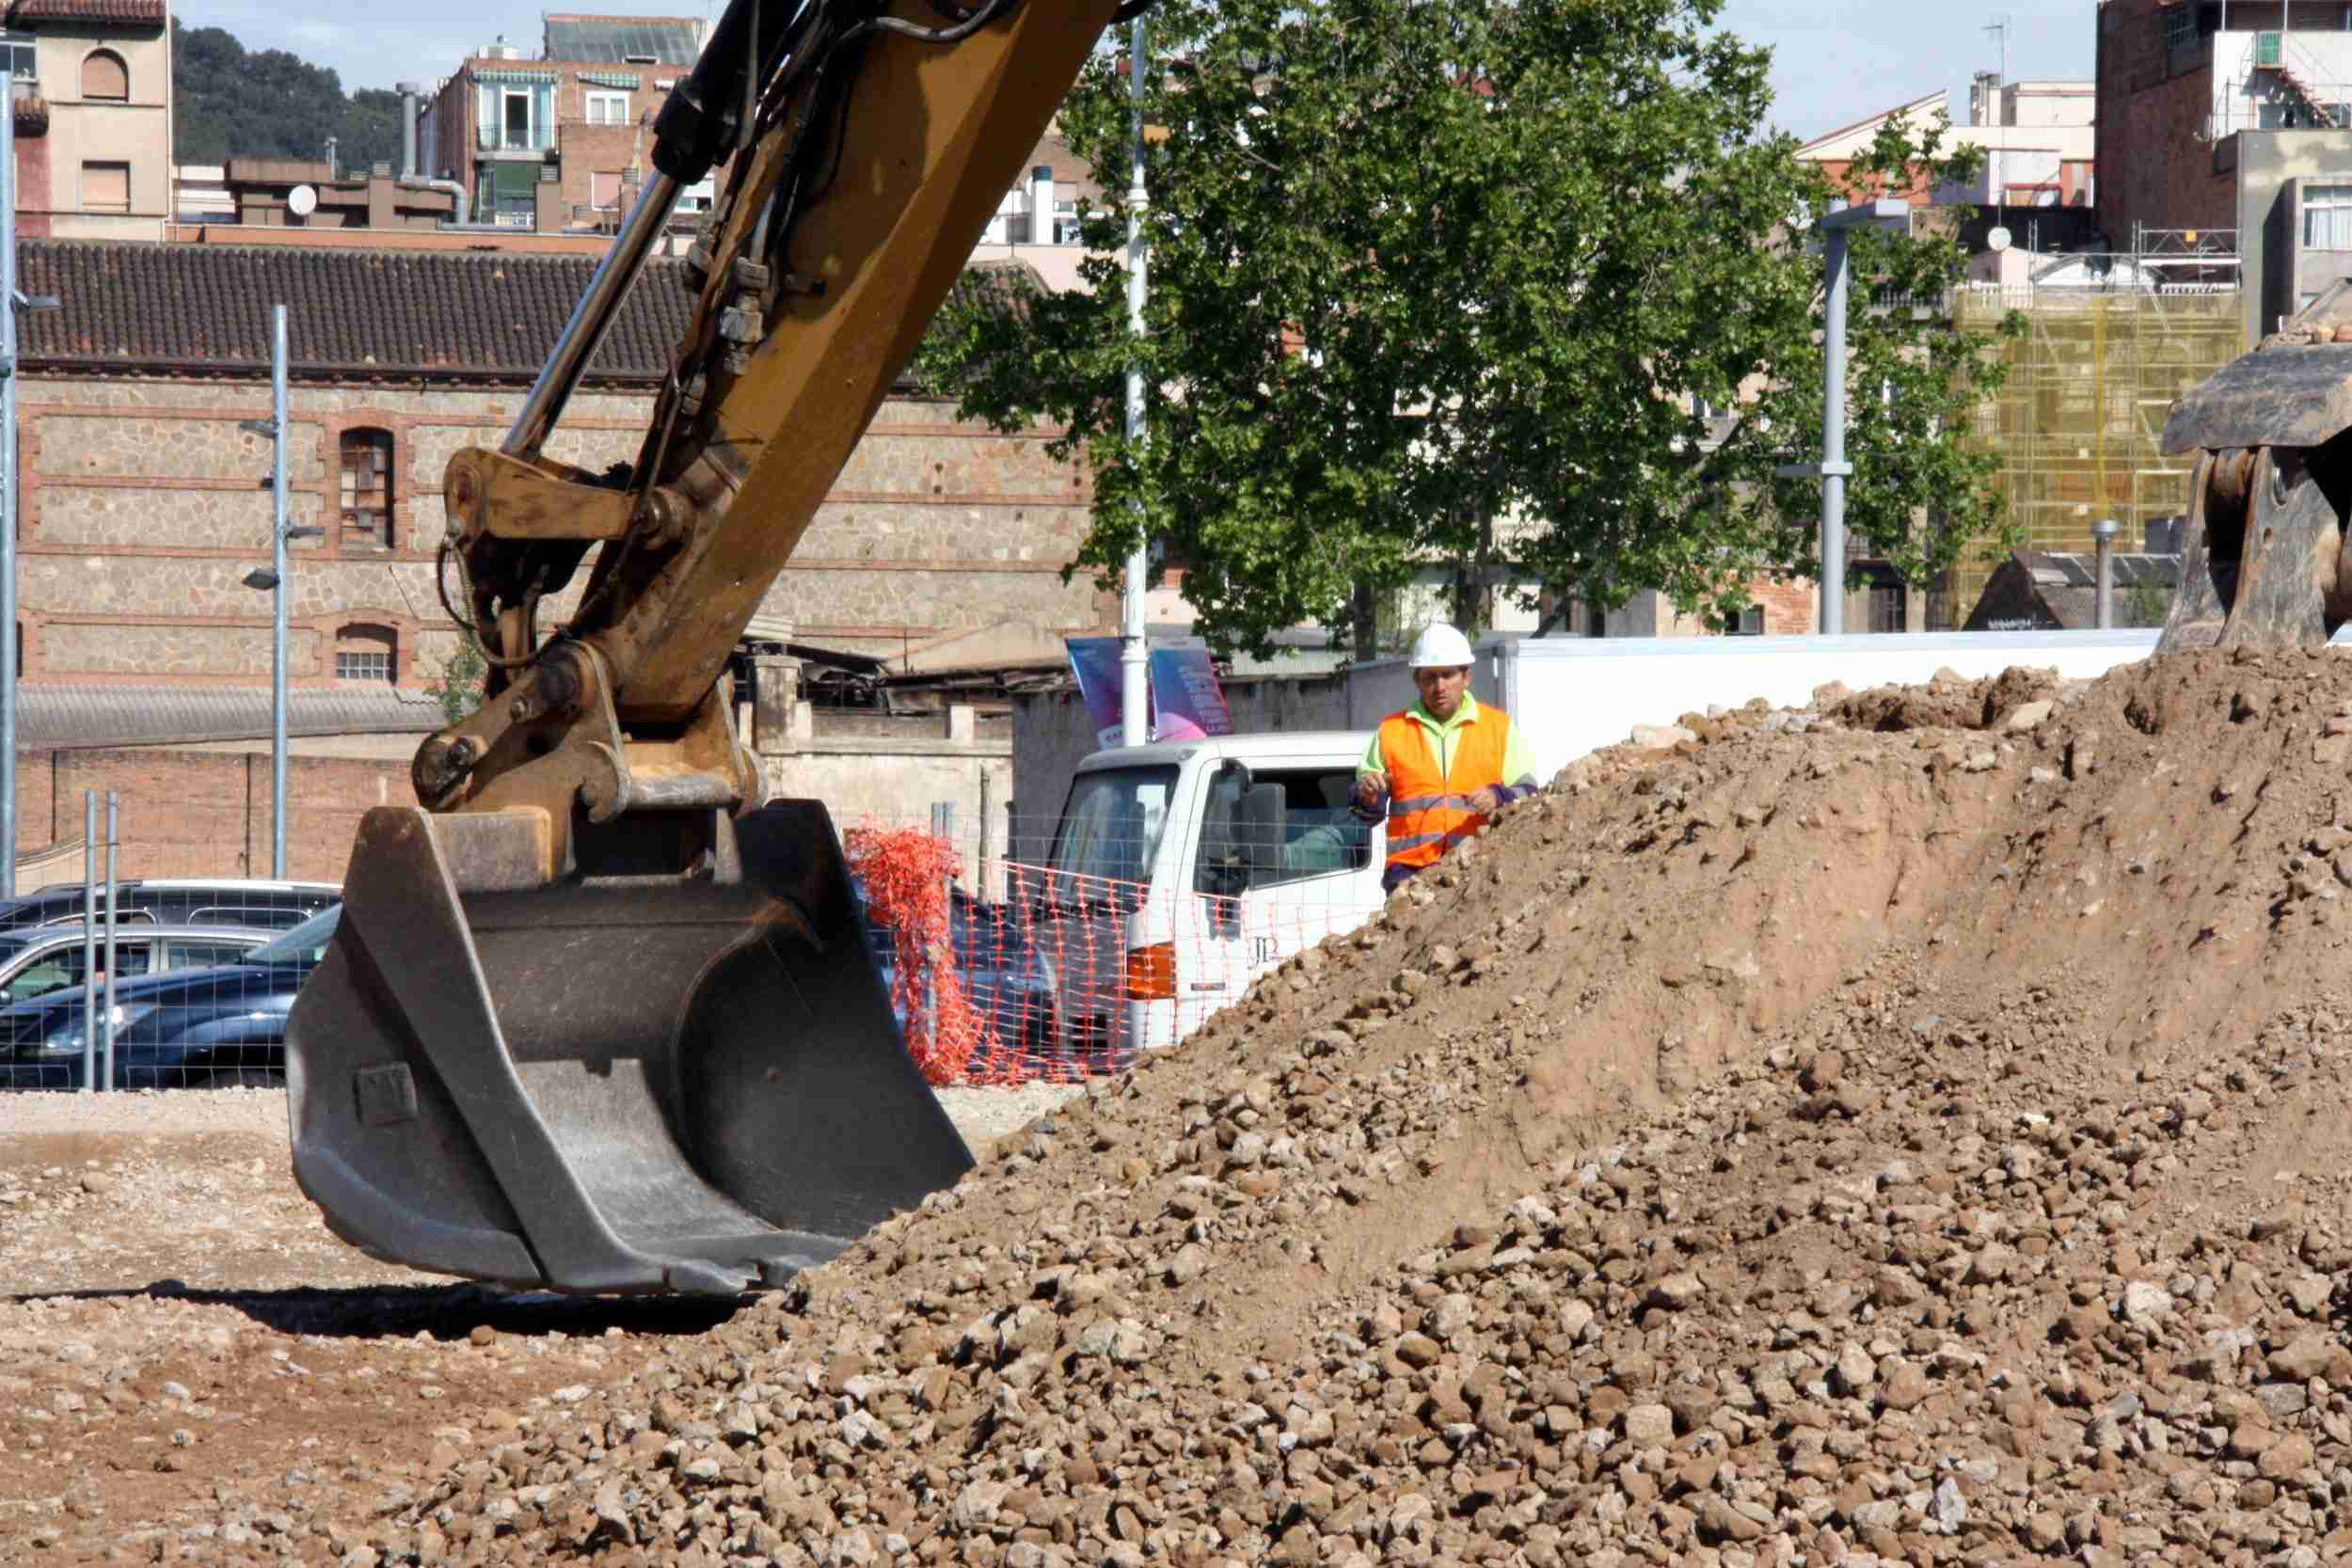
[(1429, 812)]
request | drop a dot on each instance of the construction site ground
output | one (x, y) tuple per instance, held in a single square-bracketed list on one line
[(1912, 1128)]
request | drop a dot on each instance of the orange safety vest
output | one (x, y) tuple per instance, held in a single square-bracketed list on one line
[(1428, 811)]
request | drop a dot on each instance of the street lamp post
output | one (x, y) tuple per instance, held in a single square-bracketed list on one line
[(1833, 470), (273, 577)]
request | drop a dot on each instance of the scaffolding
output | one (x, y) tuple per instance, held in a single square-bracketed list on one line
[(2076, 424)]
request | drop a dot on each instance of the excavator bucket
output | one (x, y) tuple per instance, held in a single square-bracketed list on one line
[(2263, 562), (619, 1082)]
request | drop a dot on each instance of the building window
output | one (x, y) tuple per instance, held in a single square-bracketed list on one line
[(608, 108), (106, 77), (1889, 605), (364, 653), (18, 47), (105, 187), (2327, 217), (2180, 26), (367, 466), (1745, 623)]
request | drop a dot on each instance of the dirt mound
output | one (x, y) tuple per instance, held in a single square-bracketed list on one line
[(1947, 701), (1814, 1141)]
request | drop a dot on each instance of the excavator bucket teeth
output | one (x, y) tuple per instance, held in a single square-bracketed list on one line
[(2261, 554), (605, 1083)]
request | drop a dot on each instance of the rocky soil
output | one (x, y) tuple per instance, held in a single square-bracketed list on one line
[(1912, 1130)]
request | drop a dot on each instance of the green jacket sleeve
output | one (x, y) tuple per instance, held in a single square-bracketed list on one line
[(1518, 764)]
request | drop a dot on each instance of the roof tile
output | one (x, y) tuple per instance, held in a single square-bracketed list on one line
[(206, 309), (131, 13)]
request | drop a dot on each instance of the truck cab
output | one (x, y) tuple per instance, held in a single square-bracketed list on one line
[(1180, 872)]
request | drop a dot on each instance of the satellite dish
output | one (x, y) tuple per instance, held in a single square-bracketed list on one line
[(1998, 239), (302, 201)]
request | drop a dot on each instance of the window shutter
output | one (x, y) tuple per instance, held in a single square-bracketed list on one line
[(543, 115)]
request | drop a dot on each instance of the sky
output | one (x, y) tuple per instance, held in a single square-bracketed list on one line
[(1835, 61)]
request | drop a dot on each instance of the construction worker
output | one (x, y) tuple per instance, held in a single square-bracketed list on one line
[(1442, 767)]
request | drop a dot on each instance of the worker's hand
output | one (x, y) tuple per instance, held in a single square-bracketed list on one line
[(1370, 788), (1486, 801)]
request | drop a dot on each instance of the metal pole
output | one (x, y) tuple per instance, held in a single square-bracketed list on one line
[(2103, 532), (8, 488), (114, 807), (1834, 440), (89, 941), (1134, 690), (277, 596)]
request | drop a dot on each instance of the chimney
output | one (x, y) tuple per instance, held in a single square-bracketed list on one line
[(409, 92), (1041, 205)]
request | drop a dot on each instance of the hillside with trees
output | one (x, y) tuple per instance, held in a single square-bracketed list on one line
[(268, 104)]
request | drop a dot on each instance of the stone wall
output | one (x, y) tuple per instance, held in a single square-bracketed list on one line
[(145, 505)]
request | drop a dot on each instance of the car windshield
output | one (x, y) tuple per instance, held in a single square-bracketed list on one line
[(1111, 827), (306, 943)]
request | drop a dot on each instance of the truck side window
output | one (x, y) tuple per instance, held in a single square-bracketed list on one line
[(1321, 837)]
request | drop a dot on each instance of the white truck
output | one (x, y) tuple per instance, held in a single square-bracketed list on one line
[(1181, 872)]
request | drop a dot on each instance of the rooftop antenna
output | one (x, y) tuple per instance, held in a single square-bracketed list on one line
[(1999, 28)]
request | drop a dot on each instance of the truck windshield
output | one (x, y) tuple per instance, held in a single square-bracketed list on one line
[(1111, 827)]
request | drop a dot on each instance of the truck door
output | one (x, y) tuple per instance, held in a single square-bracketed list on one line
[(1238, 923)]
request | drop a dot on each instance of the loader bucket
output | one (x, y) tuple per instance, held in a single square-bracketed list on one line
[(617, 1081)]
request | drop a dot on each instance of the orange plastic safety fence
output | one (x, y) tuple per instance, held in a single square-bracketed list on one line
[(905, 874)]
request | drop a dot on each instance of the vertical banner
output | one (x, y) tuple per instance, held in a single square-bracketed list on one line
[(1095, 661), (1186, 702)]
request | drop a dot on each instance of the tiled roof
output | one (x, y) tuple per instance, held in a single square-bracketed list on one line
[(125, 12), (200, 310), (54, 717)]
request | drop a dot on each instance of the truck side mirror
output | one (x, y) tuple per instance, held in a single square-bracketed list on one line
[(1258, 830)]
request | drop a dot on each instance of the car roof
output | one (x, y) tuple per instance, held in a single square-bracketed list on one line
[(125, 930)]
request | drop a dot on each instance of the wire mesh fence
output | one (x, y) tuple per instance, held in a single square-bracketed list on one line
[(1113, 942), (187, 978), (1122, 937)]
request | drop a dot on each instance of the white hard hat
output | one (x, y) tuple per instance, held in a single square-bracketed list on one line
[(1440, 647)]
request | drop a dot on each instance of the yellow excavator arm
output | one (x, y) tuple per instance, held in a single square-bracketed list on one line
[(595, 1017)]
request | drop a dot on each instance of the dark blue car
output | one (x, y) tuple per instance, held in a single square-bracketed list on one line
[(194, 1028)]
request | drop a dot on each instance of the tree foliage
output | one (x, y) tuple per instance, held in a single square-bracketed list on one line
[(1445, 280), (268, 104)]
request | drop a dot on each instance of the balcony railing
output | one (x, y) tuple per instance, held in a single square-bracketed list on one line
[(494, 139)]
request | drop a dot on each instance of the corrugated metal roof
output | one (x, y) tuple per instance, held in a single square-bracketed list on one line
[(59, 716), (624, 39)]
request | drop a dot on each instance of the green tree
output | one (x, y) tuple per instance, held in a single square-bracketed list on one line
[(1431, 280), (457, 687), (268, 104)]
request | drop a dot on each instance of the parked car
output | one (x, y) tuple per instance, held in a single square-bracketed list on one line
[(179, 901), (1006, 979), (36, 961), (198, 1028)]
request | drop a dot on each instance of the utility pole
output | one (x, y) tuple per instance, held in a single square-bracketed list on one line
[(274, 579), (1134, 690), (12, 650)]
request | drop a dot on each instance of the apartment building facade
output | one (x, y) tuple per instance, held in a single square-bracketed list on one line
[(560, 141), (91, 85), (2233, 119)]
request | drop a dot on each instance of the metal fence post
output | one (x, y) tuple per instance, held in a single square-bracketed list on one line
[(90, 942), (2102, 613), (114, 808)]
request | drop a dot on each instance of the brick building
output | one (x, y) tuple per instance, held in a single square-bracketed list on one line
[(2233, 122), (144, 503), (560, 140), (91, 86)]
